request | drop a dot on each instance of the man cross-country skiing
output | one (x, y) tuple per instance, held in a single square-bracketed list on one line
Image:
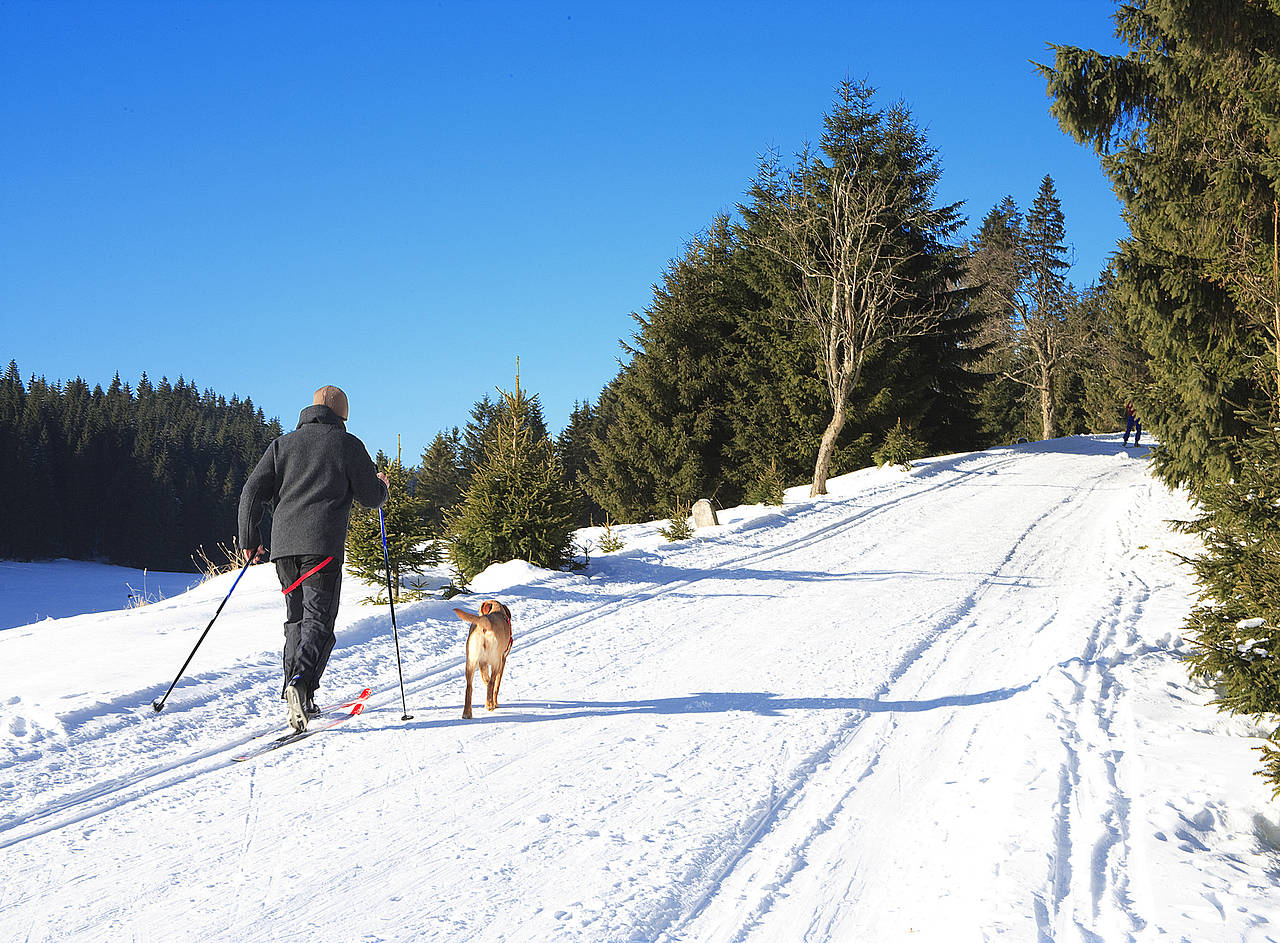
[(309, 478)]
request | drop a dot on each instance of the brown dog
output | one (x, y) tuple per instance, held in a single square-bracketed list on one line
[(488, 644)]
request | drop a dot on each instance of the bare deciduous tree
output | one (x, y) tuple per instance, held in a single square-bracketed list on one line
[(856, 232)]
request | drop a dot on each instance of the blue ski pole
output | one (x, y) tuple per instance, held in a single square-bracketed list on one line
[(158, 704), (386, 557)]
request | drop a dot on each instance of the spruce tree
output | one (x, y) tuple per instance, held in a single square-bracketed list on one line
[(1017, 267), (663, 428), (481, 432), (1043, 317), (441, 475), (994, 271), (574, 449), (408, 547), (517, 506), (1114, 368), (777, 402), (1184, 124)]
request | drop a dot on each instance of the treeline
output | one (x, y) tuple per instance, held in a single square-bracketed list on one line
[(1185, 124), (836, 316), (835, 320), (836, 310), (140, 477)]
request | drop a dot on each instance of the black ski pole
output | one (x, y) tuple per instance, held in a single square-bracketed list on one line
[(382, 522), (158, 704)]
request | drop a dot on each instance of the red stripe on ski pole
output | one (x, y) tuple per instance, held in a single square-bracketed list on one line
[(299, 581)]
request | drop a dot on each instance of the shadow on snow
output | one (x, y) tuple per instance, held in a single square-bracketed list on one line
[(762, 703)]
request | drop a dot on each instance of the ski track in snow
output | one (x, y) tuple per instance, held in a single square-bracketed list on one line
[(929, 706), (864, 748), (121, 712)]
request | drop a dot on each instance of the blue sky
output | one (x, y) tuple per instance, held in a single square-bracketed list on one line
[(403, 197)]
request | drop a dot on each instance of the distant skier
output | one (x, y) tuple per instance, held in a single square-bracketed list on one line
[(309, 478), (1132, 424)]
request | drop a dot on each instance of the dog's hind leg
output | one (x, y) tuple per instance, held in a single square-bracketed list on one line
[(490, 695), (471, 670), (498, 671)]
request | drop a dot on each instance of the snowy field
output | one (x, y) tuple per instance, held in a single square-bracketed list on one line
[(30, 592), (945, 705)]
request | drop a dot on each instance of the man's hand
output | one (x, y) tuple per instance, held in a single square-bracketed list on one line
[(253, 555), (383, 478)]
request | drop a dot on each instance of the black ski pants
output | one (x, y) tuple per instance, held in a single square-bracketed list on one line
[(311, 608)]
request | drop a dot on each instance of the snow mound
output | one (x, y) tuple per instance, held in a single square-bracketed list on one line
[(502, 576)]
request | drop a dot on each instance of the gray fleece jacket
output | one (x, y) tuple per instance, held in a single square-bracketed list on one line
[(309, 478)]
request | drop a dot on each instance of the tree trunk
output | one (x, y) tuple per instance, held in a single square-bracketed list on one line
[(1048, 405), (828, 447)]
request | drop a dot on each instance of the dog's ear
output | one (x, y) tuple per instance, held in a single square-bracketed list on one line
[(487, 606), (505, 611)]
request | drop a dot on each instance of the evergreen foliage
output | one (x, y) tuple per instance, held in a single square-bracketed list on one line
[(482, 431), (139, 477), (856, 226), (574, 449), (440, 477), (1185, 125), (1114, 366), (1002, 402), (726, 379), (610, 541), (900, 447), (662, 421), (777, 404), (409, 547), (768, 487), (1235, 630), (1029, 328), (679, 526), (517, 506)]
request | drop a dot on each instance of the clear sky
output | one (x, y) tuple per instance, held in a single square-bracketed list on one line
[(402, 197)]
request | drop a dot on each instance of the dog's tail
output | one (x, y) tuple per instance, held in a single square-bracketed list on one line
[(466, 616)]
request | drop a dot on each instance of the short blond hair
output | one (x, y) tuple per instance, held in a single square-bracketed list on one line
[(335, 399)]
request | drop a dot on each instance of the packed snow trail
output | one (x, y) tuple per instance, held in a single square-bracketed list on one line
[(944, 705)]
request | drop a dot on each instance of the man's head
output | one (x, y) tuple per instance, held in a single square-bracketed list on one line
[(334, 398)]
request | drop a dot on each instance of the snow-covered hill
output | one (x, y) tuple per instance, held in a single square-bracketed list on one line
[(944, 705), (55, 589)]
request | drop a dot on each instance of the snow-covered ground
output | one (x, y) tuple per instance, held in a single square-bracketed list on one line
[(944, 705), (54, 589)]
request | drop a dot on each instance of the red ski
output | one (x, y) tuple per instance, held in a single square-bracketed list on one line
[(319, 723)]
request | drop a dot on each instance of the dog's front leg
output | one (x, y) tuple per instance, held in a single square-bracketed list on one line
[(466, 707)]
